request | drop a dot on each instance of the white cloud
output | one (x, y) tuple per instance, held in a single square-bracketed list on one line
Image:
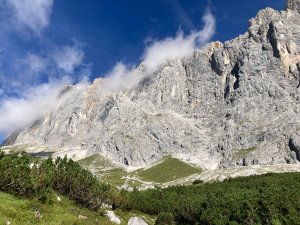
[(169, 48), (36, 63), (22, 72), (32, 64), (31, 14), (68, 58), (158, 52), (37, 101), (180, 46), (121, 77), (208, 31)]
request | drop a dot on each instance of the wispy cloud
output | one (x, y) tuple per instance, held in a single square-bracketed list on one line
[(30, 80), (30, 14), (34, 103), (157, 52), (35, 63), (183, 17), (18, 112), (30, 83), (68, 58), (30, 66), (23, 71)]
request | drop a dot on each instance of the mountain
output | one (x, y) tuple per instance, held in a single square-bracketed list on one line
[(230, 104)]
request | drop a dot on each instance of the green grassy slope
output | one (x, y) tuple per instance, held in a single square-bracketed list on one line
[(168, 170), (20, 211), (96, 161), (105, 170)]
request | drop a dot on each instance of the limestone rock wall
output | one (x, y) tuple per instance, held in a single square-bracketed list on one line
[(232, 103)]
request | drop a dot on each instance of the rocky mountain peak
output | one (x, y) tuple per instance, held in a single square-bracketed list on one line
[(294, 5), (229, 104)]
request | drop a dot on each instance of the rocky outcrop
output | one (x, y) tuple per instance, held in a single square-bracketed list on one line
[(136, 221), (230, 104), (112, 217)]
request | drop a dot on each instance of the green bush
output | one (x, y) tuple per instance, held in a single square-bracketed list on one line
[(165, 219), (25, 176), (195, 182), (19, 176), (266, 199), (79, 184)]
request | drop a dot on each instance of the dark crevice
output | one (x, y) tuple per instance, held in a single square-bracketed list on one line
[(189, 97), (294, 148), (144, 161), (272, 39), (145, 82), (154, 135), (227, 91), (214, 64), (109, 105), (227, 88), (235, 73), (187, 73), (126, 161), (70, 119), (298, 67)]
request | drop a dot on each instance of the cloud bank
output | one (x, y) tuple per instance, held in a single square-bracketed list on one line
[(158, 52)]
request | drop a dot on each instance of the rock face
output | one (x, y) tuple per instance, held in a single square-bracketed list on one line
[(229, 104), (294, 5)]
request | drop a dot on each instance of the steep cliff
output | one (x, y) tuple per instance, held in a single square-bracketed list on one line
[(232, 103)]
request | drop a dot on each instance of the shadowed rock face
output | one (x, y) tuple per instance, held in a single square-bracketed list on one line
[(232, 103), (294, 144)]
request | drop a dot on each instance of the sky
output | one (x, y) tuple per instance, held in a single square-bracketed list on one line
[(47, 44)]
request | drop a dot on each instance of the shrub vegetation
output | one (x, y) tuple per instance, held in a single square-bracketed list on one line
[(25, 176), (266, 199)]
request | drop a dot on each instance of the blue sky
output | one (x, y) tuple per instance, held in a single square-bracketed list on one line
[(46, 44)]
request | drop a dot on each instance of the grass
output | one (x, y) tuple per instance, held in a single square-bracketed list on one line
[(96, 161), (104, 169), (22, 212), (168, 170), (134, 183), (114, 177)]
